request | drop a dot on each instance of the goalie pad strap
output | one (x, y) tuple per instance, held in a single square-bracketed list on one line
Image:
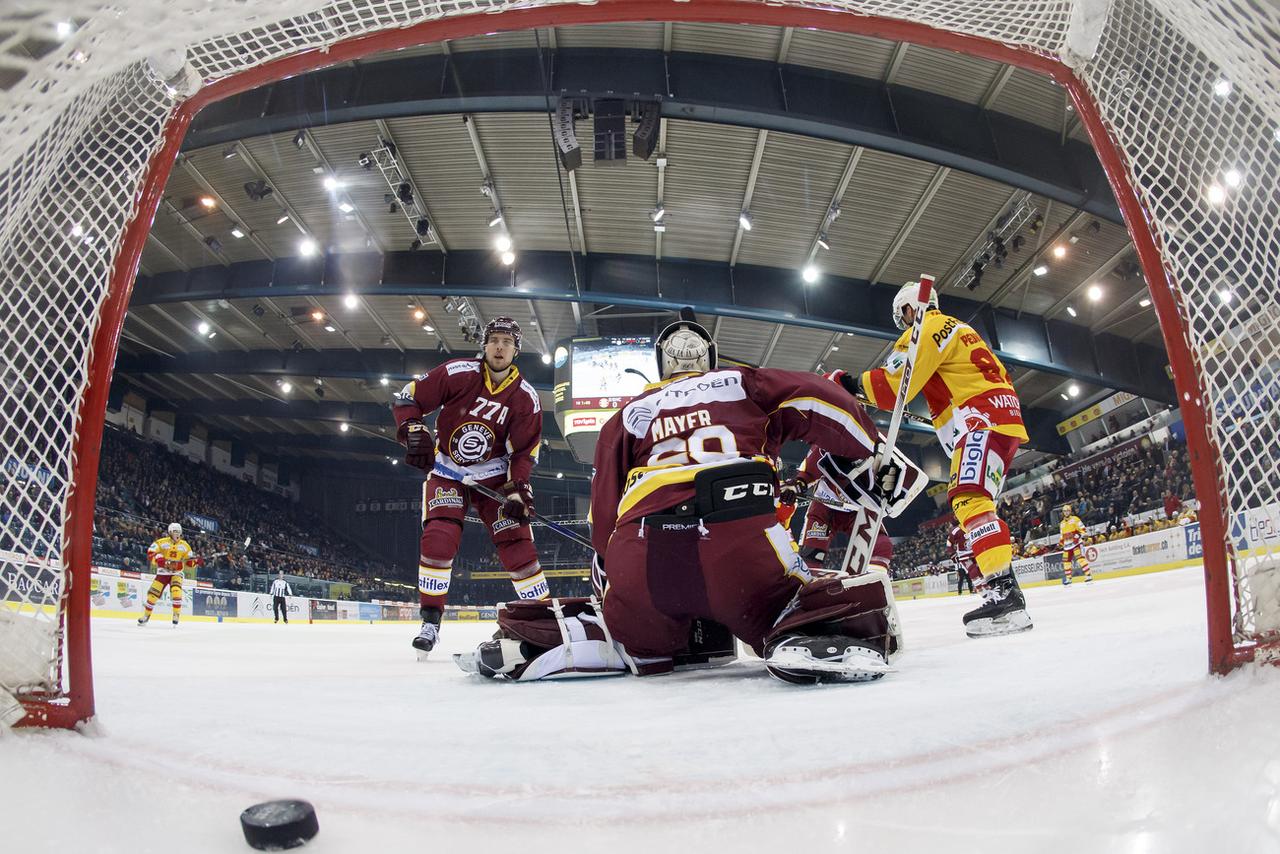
[(865, 611)]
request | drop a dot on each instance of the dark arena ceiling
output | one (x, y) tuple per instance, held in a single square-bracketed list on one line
[(336, 226)]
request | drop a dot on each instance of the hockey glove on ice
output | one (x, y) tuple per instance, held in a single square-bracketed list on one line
[(419, 446), (519, 503)]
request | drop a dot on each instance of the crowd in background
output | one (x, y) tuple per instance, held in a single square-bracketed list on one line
[(1110, 489)]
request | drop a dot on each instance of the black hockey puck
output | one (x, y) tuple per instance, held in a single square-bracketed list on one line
[(277, 825)]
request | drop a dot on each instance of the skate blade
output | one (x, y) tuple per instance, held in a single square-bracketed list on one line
[(1010, 624), (422, 656), (858, 668)]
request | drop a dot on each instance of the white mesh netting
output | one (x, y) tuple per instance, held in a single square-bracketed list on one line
[(81, 113)]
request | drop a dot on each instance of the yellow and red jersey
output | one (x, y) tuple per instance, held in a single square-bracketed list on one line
[(965, 385), (176, 556), (1070, 532)]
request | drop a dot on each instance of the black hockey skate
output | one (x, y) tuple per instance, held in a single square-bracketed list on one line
[(429, 633), (814, 659), (1003, 610)]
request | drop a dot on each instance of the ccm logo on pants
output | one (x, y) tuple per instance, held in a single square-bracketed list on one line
[(741, 490)]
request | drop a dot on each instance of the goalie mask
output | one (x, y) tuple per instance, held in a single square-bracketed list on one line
[(684, 347), (907, 295)]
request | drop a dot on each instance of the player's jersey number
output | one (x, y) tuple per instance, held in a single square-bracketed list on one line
[(988, 366), (704, 445), (486, 409)]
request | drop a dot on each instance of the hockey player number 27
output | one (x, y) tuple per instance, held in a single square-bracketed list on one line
[(679, 451)]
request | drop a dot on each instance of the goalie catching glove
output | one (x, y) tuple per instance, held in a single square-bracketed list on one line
[(419, 445), (519, 503)]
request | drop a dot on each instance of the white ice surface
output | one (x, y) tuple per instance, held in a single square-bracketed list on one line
[(1099, 731)]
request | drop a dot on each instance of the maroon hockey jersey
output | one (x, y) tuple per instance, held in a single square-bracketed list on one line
[(959, 544), (480, 426), (650, 450)]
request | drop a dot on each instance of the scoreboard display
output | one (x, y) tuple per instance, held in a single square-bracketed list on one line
[(595, 377)]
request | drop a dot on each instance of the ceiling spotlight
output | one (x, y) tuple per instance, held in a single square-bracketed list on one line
[(822, 241), (1017, 242), (64, 29), (559, 475), (331, 183), (307, 247), (1225, 296), (1059, 251), (258, 311), (508, 258), (365, 160), (384, 381), (77, 230), (835, 348), (1073, 390), (395, 462), (1094, 293), (404, 193), (1145, 302), (1041, 270), (1063, 396), (230, 151), (214, 244), (351, 301), (744, 220), (502, 243), (1217, 195), (419, 315), (1232, 177), (422, 226), (237, 232), (660, 227), (1037, 223), (809, 274), (345, 206), (282, 219), (300, 139), (427, 327), (203, 328), (496, 219), (257, 190), (329, 327), (208, 202), (286, 386), (546, 358), (213, 335), (344, 426), (1222, 88), (317, 315), (319, 382), (658, 213)]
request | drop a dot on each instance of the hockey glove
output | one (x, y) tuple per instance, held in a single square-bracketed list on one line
[(790, 490), (852, 383), (419, 446), (519, 503), (159, 563)]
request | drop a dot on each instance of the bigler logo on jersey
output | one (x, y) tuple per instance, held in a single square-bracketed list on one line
[(971, 462), (445, 498), (471, 442)]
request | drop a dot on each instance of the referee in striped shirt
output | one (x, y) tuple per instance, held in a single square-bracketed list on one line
[(280, 589)]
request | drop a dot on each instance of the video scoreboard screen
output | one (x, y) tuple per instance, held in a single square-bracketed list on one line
[(594, 377)]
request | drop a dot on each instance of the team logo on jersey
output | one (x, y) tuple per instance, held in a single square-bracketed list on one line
[(471, 442), (445, 497)]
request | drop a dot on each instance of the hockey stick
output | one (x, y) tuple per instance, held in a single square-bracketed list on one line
[(864, 549), (469, 480)]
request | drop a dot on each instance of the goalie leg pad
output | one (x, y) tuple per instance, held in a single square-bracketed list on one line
[(551, 639), (860, 608)]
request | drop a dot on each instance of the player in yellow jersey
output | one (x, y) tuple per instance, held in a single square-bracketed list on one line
[(168, 557), (978, 419), (1071, 541)]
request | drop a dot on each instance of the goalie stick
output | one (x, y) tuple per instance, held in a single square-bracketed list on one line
[(467, 480), (864, 546)]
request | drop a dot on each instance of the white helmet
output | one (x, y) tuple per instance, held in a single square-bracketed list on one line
[(907, 294), (175, 531), (684, 346)]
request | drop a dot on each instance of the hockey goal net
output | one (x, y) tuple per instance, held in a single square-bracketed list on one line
[(1179, 98)]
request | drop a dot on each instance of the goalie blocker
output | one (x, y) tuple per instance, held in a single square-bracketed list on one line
[(714, 567)]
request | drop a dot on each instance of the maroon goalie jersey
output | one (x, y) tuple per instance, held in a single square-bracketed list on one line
[(650, 450), (959, 544), (489, 430)]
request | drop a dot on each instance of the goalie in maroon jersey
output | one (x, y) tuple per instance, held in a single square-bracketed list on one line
[(683, 505), (489, 429)]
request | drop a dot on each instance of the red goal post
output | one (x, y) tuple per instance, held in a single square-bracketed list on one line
[(91, 140)]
